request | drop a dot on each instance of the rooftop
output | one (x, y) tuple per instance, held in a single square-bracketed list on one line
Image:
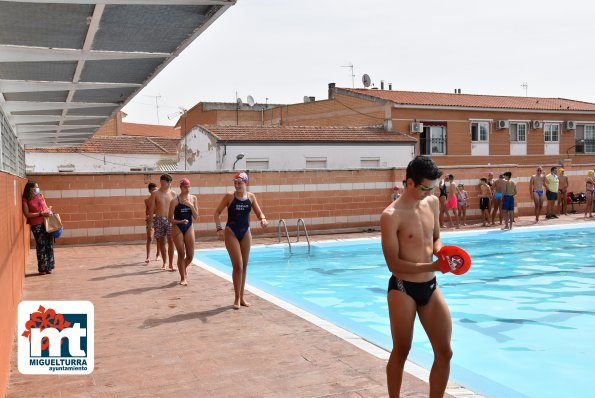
[(473, 100), (338, 134), (119, 144)]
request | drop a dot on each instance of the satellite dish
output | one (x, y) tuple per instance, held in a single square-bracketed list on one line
[(239, 102), (366, 80), (250, 100)]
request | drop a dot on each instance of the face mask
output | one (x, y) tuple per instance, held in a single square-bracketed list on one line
[(36, 191)]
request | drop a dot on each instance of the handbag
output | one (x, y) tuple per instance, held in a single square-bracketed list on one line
[(53, 223)]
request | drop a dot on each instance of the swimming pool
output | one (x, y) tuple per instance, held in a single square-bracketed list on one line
[(523, 317)]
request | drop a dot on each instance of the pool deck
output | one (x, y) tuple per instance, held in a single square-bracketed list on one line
[(155, 338)]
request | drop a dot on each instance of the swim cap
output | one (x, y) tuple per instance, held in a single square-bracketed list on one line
[(184, 182), (241, 176), (590, 172), (561, 170), (395, 188)]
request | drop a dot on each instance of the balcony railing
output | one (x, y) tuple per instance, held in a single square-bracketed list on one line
[(584, 146), (433, 146)]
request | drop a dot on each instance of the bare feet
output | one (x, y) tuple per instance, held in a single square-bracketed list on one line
[(163, 267), (184, 283), (171, 269), (236, 306), (147, 261), (244, 303)]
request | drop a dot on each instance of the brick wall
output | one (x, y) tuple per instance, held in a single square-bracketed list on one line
[(344, 110), (14, 250), (109, 207), (112, 126)]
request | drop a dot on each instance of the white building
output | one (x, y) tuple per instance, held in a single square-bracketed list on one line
[(293, 148), (106, 154)]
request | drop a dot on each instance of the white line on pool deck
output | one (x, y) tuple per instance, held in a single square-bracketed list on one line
[(413, 369)]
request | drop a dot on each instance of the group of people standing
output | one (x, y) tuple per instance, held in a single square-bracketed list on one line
[(554, 187), (170, 216), (496, 196)]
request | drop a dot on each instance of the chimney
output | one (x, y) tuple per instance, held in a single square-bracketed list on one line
[(390, 86), (388, 119), (331, 90), (382, 84)]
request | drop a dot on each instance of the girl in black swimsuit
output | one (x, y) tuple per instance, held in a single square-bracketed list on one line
[(236, 234), (182, 211)]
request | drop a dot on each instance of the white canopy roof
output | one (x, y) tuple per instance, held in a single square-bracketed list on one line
[(67, 66)]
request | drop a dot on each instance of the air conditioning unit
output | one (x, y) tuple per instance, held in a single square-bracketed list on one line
[(570, 125), (536, 124), (502, 124), (417, 127)]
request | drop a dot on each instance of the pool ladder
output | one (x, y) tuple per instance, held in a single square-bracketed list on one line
[(299, 221)]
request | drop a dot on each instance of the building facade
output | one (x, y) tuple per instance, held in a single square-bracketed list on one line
[(211, 148)]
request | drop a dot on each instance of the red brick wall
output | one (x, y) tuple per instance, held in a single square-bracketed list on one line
[(14, 251), (341, 111), (95, 214)]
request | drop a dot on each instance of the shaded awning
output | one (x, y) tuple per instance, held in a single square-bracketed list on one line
[(67, 66)]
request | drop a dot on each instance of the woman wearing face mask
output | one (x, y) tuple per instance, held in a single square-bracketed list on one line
[(36, 210)]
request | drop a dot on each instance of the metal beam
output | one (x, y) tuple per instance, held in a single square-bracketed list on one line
[(27, 129), (30, 86), (137, 2), (16, 106), (19, 119), (10, 53)]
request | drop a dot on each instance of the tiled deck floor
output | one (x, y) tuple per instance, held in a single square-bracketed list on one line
[(154, 338)]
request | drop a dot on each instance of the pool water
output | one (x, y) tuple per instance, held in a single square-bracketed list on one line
[(523, 316)]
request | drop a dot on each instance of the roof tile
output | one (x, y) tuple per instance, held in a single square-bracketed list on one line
[(476, 101), (305, 134), (119, 144)]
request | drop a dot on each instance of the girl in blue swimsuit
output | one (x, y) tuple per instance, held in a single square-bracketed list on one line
[(182, 211), (237, 234)]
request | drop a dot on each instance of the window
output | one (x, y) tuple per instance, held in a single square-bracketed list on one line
[(432, 140), (257, 164), (12, 154), (316, 163), (552, 132), (518, 132), (369, 162), (585, 138), (480, 131)]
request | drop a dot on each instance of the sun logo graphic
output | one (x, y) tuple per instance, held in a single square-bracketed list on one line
[(56, 337)]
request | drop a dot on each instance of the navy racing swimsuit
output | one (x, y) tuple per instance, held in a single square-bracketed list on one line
[(183, 212), (238, 217)]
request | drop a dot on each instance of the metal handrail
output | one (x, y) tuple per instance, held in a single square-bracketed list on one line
[(282, 221), (305, 231)]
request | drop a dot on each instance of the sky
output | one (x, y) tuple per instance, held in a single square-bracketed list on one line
[(279, 51)]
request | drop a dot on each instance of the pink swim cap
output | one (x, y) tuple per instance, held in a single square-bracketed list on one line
[(184, 182), (241, 176)]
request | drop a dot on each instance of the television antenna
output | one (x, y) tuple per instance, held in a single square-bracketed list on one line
[(157, 97), (525, 87), (352, 74), (366, 80)]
